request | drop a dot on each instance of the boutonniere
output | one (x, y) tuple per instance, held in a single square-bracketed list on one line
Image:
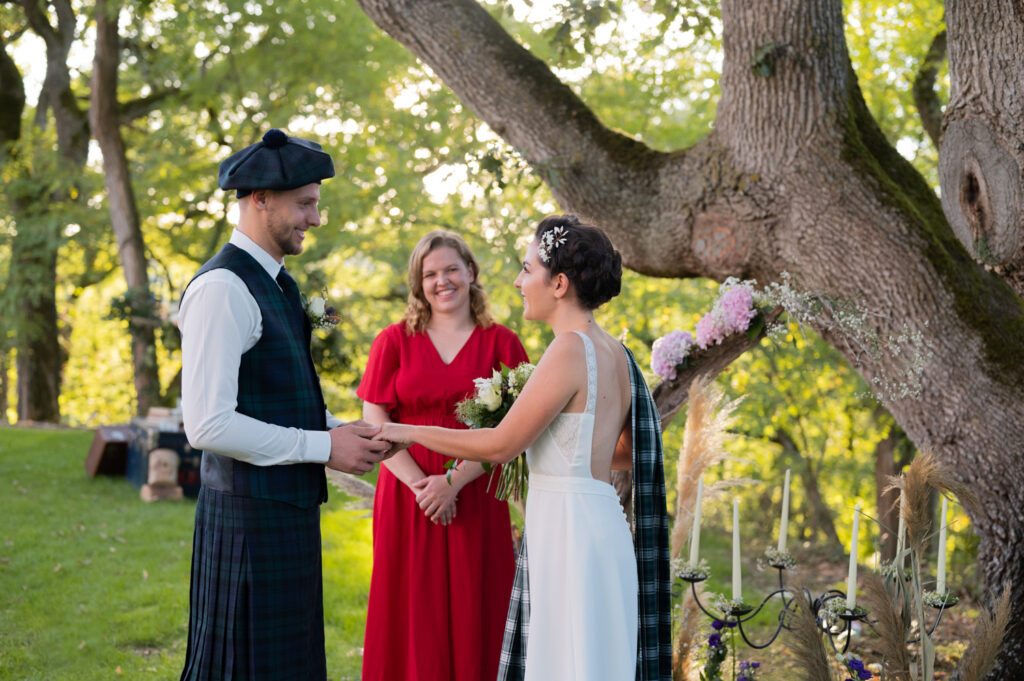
[(321, 315)]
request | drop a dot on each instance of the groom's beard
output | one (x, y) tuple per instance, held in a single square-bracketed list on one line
[(283, 235)]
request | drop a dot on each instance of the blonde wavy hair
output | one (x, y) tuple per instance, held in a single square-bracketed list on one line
[(417, 310)]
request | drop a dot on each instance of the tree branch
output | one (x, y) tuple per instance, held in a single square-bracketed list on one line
[(143, 106), (929, 108), (671, 394), (601, 174), (981, 168)]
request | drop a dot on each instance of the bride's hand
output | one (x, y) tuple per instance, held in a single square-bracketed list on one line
[(396, 433)]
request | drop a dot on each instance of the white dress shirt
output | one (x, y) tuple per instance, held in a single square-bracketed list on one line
[(219, 321)]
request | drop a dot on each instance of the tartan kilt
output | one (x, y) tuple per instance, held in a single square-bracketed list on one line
[(256, 594)]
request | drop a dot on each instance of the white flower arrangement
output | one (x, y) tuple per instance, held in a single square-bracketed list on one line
[(729, 605), (779, 559), (684, 569), (835, 609), (937, 600)]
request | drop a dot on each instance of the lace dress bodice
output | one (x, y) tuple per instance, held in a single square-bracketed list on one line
[(564, 448)]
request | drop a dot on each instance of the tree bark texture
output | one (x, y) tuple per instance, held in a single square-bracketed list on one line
[(124, 217), (981, 167), (796, 177)]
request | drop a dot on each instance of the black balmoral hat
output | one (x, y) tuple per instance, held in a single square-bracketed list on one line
[(276, 162)]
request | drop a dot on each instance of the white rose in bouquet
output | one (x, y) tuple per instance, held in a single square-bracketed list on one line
[(488, 391)]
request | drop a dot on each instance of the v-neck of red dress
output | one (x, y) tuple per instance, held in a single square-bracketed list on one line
[(458, 353)]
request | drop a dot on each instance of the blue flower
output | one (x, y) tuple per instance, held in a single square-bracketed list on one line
[(714, 640), (856, 665), (717, 625)]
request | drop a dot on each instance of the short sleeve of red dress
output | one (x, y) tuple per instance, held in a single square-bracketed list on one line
[(378, 383)]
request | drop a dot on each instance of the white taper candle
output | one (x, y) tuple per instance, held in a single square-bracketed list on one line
[(851, 582), (784, 524), (902, 532), (695, 530), (940, 581), (737, 580)]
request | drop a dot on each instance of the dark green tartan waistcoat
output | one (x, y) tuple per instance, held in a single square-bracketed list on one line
[(277, 384)]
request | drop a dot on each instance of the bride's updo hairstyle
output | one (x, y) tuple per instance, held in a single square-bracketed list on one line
[(584, 254)]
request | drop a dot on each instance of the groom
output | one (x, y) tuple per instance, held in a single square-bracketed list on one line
[(251, 401)]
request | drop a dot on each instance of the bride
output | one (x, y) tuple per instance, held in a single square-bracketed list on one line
[(591, 601)]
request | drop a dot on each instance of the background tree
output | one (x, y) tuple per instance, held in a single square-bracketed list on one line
[(40, 189), (795, 176)]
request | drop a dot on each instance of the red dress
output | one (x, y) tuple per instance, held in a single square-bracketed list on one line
[(438, 594)]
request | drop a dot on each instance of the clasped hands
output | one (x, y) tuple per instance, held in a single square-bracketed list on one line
[(356, 447), (435, 494)]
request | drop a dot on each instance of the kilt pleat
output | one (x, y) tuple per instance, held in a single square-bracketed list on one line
[(256, 594)]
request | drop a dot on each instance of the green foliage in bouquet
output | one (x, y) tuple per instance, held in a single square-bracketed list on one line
[(490, 402)]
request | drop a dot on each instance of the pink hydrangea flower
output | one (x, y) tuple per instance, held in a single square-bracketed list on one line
[(669, 351), (711, 329), (737, 306)]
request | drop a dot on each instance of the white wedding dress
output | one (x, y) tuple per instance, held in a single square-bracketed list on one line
[(582, 568)]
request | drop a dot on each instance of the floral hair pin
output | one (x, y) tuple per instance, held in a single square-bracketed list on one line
[(552, 239)]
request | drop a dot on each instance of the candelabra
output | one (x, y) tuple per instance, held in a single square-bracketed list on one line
[(830, 610)]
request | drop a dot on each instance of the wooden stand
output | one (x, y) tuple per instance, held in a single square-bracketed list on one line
[(109, 451)]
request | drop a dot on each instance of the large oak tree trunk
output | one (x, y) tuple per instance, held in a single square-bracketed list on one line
[(795, 177), (106, 126)]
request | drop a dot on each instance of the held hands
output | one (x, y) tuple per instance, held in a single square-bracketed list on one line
[(436, 498), (355, 449), (395, 433)]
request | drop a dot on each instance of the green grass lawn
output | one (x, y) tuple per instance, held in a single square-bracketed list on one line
[(94, 581)]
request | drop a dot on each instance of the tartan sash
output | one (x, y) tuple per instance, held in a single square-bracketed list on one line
[(650, 541)]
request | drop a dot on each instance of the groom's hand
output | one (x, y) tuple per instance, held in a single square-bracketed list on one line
[(353, 449)]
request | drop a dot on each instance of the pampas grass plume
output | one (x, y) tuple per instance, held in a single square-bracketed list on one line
[(808, 647), (927, 472), (708, 418), (890, 624), (988, 636)]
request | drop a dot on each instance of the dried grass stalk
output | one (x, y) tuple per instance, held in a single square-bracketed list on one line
[(927, 472), (808, 647), (890, 624), (708, 418), (986, 639), (688, 641)]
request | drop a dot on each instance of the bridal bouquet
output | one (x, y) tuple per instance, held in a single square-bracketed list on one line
[(492, 399)]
